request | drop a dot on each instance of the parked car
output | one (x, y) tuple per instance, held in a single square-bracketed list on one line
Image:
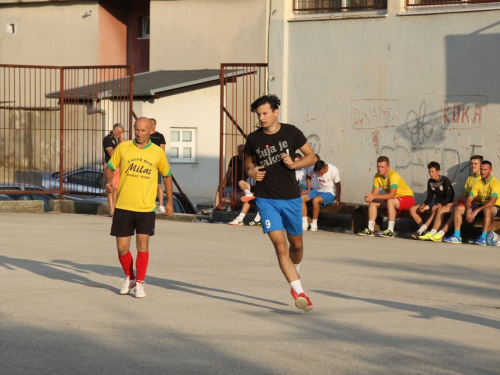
[(13, 186), (45, 198), (82, 180)]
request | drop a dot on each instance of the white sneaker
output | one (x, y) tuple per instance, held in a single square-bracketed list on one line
[(127, 286), (139, 290), (236, 222), (305, 226), (314, 228), (161, 209)]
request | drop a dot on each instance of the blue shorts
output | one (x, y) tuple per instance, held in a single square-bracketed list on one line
[(474, 206), (327, 197), (280, 214), (432, 204)]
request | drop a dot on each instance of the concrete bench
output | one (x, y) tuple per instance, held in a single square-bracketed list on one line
[(405, 223)]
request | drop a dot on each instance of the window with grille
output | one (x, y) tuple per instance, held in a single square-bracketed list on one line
[(324, 6), (182, 145), (416, 3)]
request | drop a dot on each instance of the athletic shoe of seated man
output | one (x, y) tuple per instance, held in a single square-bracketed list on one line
[(387, 234), (453, 239), (436, 238), (236, 222), (416, 235), (313, 228), (480, 241), (366, 232), (426, 237)]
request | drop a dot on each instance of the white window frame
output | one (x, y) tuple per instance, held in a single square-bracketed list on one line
[(181, 145)]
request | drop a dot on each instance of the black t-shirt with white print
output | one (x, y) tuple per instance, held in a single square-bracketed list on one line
[(279, 182)]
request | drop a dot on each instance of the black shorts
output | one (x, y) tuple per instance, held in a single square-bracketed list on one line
[(124, 223)]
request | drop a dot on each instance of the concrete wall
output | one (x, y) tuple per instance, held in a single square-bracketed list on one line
[(197, 109), (415, 88), (50, 34), (199, 34)]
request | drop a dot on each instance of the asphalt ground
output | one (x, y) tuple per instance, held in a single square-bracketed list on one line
[(217, 303)]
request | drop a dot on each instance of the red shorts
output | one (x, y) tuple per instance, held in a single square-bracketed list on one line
[(405, 203)]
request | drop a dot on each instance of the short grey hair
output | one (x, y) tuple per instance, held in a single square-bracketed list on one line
[(118, 125)]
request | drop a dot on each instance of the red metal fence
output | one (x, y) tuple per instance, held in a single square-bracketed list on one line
[(319, 6), (240, 85), (53, 121)]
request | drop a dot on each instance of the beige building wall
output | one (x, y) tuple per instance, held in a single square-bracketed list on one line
[(413, 86), (199, 110), (199, 34), (49, 33)]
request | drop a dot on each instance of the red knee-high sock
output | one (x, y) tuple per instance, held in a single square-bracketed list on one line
[(141, 264), (127, 262)]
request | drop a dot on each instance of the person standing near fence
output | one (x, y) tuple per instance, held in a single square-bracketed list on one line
[(109, 144), (139, 161), (276, 190), (158, 139)]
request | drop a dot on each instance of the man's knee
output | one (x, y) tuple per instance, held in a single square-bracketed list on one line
[(317, 201)]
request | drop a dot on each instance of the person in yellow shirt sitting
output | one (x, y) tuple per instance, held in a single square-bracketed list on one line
[(395, 197), (487, 190)]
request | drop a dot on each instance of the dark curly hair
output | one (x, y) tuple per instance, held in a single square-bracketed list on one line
[(273, 101)]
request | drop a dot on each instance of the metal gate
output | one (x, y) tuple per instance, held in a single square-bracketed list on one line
[(53, 121), (240, 85)]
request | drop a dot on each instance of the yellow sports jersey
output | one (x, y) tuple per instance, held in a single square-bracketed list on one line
[(470, 182), (487, 190), (392, 181), (139, 170)]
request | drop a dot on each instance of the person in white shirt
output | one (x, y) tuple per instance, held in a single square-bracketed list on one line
[(300, 174), (328, 191)]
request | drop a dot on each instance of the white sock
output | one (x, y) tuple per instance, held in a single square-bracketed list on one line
[(247, 192), (304, 220), (297, 286), (433, 232), (314, 222), (257, 217), (297, 267), (441, 233), (391, 225), (241, 216), (371, 225), (422, 229)]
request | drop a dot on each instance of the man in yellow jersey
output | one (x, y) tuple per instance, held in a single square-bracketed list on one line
[(139, 161), (437, 235), (487, 190), (396, 197)]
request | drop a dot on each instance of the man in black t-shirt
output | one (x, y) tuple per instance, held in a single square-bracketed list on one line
[(158, 139), (268, 162), (439, 194), (109, 144)]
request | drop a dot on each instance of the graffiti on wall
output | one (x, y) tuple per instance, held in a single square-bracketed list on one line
[(464, 111), (374, 113), (418, 127)]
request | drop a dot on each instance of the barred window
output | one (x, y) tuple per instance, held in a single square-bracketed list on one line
[(415, 3), (324, 6)]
